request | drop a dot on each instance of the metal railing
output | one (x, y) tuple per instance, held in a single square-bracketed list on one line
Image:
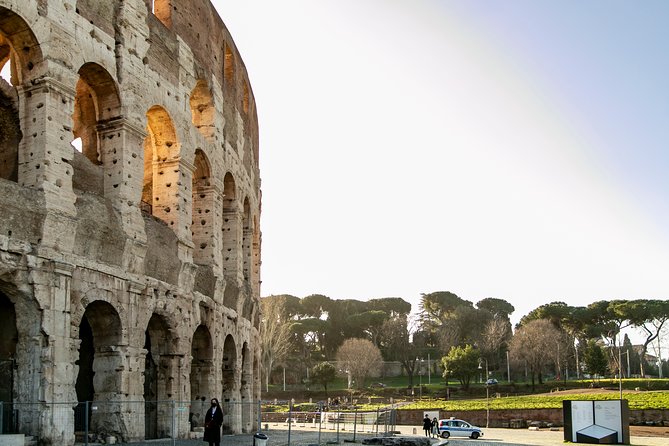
[(162, 422), (177, 423), (331, 426)]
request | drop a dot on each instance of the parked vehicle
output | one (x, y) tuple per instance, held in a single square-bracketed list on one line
[(458, 428), (491, 382)]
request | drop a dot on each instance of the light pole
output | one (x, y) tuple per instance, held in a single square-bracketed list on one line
[(508, 368), (487, 405), (481, 369), (620, 372)]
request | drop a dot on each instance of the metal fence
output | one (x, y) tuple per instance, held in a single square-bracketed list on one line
[(162, 422), (175, 423), (330, 427)]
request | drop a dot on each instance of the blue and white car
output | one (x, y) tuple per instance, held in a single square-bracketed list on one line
[(458, 428)]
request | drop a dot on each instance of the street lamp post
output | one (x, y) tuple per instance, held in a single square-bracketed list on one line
[(487, 405), (508, 368), (420, 361), (481, 369)]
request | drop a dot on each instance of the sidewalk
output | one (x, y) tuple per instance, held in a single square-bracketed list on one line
[(300, 436)]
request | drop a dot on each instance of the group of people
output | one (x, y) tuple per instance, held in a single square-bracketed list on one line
[(431, 427)]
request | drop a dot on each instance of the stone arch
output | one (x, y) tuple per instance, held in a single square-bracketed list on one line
[(229, 384), (21, 347), (96, 121), (159, 366), (202, 365), (97, 101), (9, 339), (20, 51), (100, 333), (202, 109), (203, 207), (24, 50), (10, 132), (247, 388), (161, 166), (247, 240)]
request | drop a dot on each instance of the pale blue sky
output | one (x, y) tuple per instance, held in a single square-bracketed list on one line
[(511, 149)]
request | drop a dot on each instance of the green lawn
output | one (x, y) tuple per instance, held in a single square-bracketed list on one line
[(637, 400)]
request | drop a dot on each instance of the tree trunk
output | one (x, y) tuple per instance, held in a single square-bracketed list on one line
[(532, 375)]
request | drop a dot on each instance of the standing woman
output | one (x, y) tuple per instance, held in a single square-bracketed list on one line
[(427, 426), (212, 424)]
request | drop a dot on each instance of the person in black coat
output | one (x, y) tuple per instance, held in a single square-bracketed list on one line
[(427, 426), (212, 424)]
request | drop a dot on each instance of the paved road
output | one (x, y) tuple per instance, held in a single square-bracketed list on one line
[(492, 437), (305, 435)]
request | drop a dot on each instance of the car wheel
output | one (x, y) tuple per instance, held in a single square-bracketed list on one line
[(445, 434), (475, 435)]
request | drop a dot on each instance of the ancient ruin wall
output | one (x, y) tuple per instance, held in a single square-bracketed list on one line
[(129, 215)]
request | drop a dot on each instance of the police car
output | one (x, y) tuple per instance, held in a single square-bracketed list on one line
[(458, 428)]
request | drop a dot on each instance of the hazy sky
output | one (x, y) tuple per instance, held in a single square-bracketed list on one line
[(511, 149)]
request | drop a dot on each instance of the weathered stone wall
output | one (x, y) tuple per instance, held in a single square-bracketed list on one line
[(129, 267)]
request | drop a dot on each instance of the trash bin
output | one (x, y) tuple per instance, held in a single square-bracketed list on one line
[(259, 439)]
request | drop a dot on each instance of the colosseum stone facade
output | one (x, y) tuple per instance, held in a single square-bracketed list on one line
[(129, 219)]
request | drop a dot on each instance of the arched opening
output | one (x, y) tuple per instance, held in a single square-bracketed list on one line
[(247, 388), (229, 384), (9, 337), (96, 104), (202, 109), (10, 132), (201, 374), (19, 54), (99, 360), (158, 373), (203, 215), (161, 167)]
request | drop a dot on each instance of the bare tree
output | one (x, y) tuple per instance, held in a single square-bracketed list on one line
[(360, 358), (535, 343), (496, 334), (275, 334)]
